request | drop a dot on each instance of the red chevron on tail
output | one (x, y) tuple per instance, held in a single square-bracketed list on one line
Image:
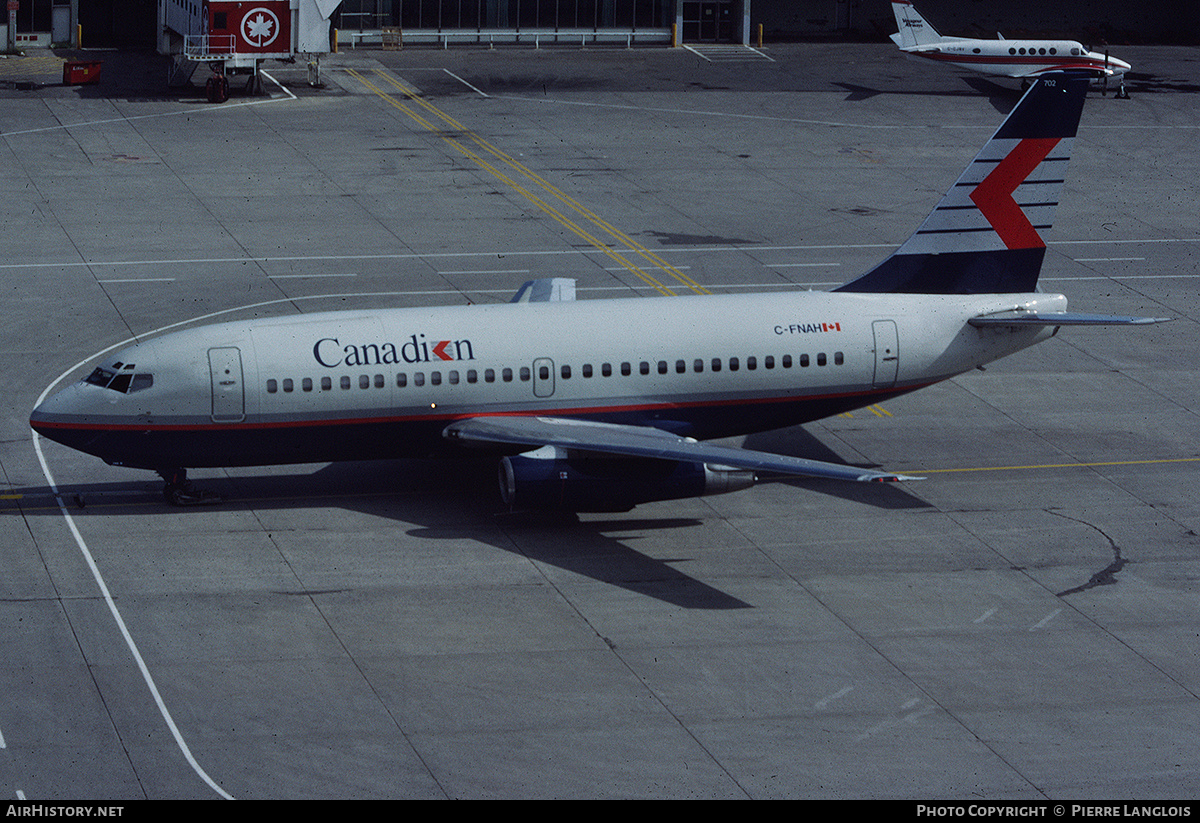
[(994, 195)]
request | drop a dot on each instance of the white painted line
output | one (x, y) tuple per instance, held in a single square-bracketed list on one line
[(1041, 624), (116, 614), (1122, 278), (798, 265), (707, 114), (303, 276), (985, 616), (465, 83), (1105, 259), (831, 123), (103, 586), (282, 88), (512, 253), (825, 701), (189, 112), (622, 268), (488, 271), (141, 280)]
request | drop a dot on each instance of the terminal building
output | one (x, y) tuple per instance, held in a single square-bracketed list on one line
[(144, 23), (722, 21)]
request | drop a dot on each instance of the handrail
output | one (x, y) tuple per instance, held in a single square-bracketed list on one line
[(209, 46)]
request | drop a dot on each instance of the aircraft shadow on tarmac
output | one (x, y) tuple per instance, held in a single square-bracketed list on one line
[(1002, 97), (458, 500)]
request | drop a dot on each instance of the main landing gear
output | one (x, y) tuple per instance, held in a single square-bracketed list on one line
[(179, 491)]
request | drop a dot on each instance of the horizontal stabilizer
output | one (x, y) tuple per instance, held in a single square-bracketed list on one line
[(1011, 319), (643, 441)]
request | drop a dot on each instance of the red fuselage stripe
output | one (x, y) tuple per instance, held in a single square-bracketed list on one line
[(543, 412)]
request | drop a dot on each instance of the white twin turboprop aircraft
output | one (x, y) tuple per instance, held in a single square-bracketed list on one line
[(1023, 59), (602, 404)]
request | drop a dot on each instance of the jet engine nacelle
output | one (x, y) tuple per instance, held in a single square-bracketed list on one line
[(551, 478)]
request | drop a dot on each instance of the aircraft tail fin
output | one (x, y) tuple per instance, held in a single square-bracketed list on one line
[(982, 238), (914, 29)]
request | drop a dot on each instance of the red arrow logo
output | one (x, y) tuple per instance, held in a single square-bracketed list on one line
[(994, 196), (440, 350)]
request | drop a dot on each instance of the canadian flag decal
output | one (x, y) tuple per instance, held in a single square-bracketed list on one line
[(994, 196)]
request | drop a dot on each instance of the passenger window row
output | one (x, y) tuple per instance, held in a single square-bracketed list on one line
[(587, 370), (378, 381)]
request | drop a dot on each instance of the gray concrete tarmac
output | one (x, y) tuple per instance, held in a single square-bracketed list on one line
[(1021, 625)]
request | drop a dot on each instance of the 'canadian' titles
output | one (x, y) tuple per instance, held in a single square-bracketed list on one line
[(331, 352)]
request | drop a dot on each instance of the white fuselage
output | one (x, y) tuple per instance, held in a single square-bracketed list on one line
[(1020, 58), (351, 385)]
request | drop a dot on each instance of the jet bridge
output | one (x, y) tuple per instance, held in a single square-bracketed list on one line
[(234, 37)]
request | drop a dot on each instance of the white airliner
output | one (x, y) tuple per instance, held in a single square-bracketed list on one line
[(1023, 59), (602, 404)]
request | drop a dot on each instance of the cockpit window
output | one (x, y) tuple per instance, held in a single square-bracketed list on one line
[(124, 381), (100, 377)]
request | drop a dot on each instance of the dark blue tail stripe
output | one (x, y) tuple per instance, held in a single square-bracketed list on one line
[(1049, 110)]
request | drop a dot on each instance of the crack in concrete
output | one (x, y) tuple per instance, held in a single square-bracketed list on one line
[(1106, 576)]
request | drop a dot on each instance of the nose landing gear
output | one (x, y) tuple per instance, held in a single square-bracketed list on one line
[(179, 491)]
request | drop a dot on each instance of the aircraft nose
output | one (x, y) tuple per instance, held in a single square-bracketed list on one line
[(52, 409), (62, 416), (1118, 66)]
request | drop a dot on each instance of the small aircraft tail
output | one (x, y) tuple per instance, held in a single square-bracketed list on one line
[(982, 238), (914, 29)]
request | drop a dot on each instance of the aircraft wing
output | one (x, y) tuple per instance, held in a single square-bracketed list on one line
[(1022, 318), (643, 441)]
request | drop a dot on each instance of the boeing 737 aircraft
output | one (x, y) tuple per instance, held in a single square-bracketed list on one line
[(1024, 59), (602, 404)]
